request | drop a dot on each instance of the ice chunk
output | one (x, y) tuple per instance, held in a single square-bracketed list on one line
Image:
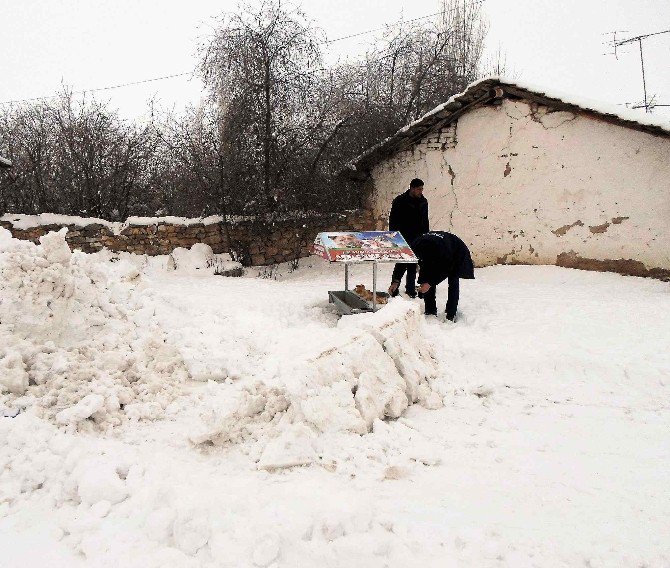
[(13, 375), (84, 409), (292, 448)]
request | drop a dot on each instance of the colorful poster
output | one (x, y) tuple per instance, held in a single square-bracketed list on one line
[(365, 246)]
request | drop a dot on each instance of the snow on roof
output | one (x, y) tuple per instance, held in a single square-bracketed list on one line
[(482, 91), (596, 106)]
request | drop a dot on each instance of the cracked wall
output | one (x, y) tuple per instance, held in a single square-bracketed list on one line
[(523, 183)]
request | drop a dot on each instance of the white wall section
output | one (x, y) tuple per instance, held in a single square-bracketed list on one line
[(522, 183)]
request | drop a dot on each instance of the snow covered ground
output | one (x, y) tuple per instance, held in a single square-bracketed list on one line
[(182, 419)]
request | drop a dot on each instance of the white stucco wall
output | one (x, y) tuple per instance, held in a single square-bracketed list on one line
[(525, 184)]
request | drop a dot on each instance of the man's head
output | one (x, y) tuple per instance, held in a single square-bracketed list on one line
[(416, 188)]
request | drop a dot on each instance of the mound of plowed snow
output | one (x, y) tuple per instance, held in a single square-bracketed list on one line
[(76, 343), (378, 365)]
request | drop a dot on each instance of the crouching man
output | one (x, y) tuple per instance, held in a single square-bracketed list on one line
[(442, 256)]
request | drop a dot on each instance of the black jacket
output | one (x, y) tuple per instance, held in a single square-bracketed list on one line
[(409, 215), (442, 255)]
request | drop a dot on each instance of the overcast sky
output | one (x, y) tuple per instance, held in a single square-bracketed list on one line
[(95, 43)]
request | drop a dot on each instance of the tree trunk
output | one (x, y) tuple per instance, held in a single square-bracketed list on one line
[(267, 137)]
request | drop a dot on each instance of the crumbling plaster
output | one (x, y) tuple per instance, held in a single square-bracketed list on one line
[(525, 184)]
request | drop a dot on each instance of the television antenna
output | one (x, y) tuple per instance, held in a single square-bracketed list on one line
[(649, 103)]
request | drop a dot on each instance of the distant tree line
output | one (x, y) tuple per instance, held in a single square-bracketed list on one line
[(270, 138)]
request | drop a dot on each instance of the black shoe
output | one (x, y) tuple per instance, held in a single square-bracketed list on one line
[(420, 295), (431, 314), (411, 294), (395, 292)]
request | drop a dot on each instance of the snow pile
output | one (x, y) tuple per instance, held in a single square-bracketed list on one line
[(550, 449), (198, 259), (76, 329), (378, 365), (81, 478), (116, 506), (201, 259)]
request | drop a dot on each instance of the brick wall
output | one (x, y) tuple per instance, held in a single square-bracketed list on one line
[(285, 240)]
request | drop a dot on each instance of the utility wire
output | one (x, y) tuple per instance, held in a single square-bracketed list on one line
[(100, 88), (121, 85), (399, 22)]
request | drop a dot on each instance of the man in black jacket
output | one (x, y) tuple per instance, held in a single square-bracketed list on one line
[(442, 256), (409, 216)]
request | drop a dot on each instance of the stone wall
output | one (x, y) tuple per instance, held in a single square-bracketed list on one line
[(251, 243)]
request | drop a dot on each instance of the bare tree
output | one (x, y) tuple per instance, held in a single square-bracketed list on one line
[(75, 157), (102, 162), (413, 68), (261, 67), (269, 141), (194, 163), (29, 139), (467, 27)]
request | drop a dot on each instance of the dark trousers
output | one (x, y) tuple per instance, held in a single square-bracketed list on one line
[(398, 273), (430, 304)]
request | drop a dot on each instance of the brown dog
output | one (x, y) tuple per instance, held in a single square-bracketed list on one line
[(366, 294)]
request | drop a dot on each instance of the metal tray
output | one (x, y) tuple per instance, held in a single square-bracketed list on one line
[(348, 302)]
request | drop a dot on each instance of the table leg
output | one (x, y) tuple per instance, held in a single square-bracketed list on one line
[(374, 286)]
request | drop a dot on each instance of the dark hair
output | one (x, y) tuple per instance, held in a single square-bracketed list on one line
[(416, 182)]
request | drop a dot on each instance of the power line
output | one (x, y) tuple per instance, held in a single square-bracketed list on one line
[(100, 88), (144, 81), (399, 22), (121, 85)]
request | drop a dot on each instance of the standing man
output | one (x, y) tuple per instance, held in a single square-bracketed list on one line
[(442, 256), (409, 216)]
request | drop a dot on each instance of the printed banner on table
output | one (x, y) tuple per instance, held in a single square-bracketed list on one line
[(380, 246)]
